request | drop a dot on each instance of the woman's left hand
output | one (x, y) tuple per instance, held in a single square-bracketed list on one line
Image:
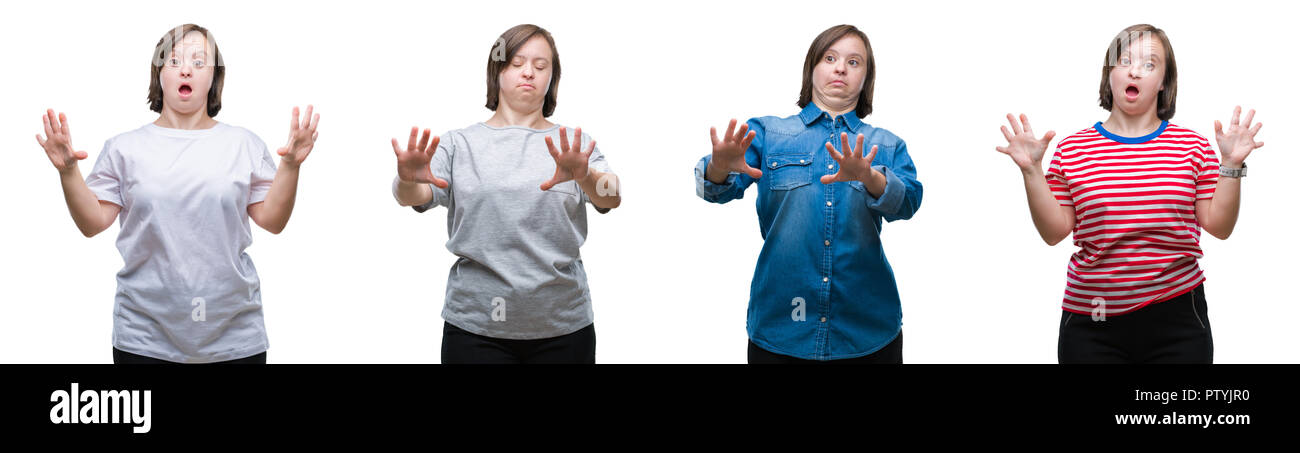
[(853, 165), (570, 161), (302, 138), (1239, 140)]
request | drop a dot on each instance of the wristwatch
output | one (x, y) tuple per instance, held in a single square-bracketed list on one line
[(1233, 172)]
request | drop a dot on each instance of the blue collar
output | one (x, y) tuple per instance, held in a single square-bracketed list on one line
[(811, 113), (1131, 140)]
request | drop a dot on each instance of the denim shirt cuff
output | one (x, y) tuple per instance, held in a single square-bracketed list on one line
[(707, 189), (892, 199)]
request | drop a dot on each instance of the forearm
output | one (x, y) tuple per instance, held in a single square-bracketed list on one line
[(875, 183), (413, 193), (1222, 216), (82, 203), (715, 175), (602, 188), (1046, 211), (280, 199)]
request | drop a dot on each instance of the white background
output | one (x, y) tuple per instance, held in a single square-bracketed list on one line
[(356, 279)]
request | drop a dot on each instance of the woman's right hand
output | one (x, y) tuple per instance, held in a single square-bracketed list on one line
[(1026, 150), (729, 152), (58, 142), (413, 163)]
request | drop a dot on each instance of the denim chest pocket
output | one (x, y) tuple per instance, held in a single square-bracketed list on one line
[(788, 171)]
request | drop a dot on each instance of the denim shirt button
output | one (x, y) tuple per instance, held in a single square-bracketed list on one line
[(773, 164), (823, 319), (826, 279), (828, 203), (828, 243)]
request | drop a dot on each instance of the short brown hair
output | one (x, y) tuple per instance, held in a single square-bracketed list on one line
[(819, 47), (504, 50), (163, 50), (1165, 101)]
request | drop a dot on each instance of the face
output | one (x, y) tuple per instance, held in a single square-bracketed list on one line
[(186, 75), (839, 75), (1138, 76), (526, 80)]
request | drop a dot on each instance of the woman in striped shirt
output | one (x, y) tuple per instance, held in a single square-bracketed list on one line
[(1135, 191)]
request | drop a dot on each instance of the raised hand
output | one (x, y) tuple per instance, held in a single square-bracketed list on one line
[(413, 163), (302, 138), (1026, 150), (853, 165), (570, 161), (1239, 140), (58, 142), (729, 152)]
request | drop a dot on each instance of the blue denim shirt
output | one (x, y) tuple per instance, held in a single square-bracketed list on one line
[(822, 288)]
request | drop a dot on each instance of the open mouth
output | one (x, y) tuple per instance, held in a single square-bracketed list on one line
[(185, 89), (1131, 92)]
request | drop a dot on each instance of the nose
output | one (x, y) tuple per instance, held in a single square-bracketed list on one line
[(527, 72), (1135, 71), (186, 70), (841, 67)]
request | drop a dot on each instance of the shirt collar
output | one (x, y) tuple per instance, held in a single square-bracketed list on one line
[(811, 113)]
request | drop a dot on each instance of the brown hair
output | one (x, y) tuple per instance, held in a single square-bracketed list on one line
[(163, 50), (818, 49), (504, 50), (1119, 45)]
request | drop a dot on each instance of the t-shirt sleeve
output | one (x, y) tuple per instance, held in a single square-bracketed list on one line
[(441, 166), (263, 172), (105, 178), (1208, 176), (597, 162), (1057, 181)]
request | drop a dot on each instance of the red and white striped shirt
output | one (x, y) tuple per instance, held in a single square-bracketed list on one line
[(1134, 201)]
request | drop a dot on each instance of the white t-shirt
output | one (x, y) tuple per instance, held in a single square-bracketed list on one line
[(187, 291)]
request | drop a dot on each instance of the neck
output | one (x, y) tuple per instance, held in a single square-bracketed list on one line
[(199, 119), (835, 109), (506, 115), (1127, 125)]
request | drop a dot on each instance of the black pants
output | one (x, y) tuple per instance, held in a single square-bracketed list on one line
[(462, 347), (891, 353), (123, 357), (1174, 331)]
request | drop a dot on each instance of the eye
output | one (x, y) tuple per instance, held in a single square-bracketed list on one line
[(1123, 61), (1150, 66), (830, 58), (198, 64), (853, 63), (174, 62)]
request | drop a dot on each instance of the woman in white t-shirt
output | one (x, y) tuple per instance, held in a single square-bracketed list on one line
[(185, 187)]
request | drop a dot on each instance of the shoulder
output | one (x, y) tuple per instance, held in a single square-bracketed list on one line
[(788, 125), (880, 136), (1176, 132), (1083, 136)]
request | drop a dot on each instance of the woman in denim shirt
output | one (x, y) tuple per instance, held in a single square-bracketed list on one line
[(822, 288)]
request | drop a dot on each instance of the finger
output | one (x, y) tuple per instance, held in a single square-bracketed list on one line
[(433, 145), (52, 120), (591, 146), (741, 133), (827, 179), (1024, 120), (424, 141), (306, 119), (713, 132), (1015, 126), (293, 121), (1255, 129), (731, 128), (859, 147), (844, 144), (1259, 145), (1003, 150), (49, 131), (1236, 113), (314, 121), (550, 147), (1006, 133), (871, 157), (753, 172), (1218, 128), (577, 140), (282, 151), (548, 184), (1249, 116), (564, 140), (834, 154), (1047, 138), (410, 143), (441, 183), (82, 155), (63, 124), (396, 149), (40, 140), (749, 138), (314, 135)]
